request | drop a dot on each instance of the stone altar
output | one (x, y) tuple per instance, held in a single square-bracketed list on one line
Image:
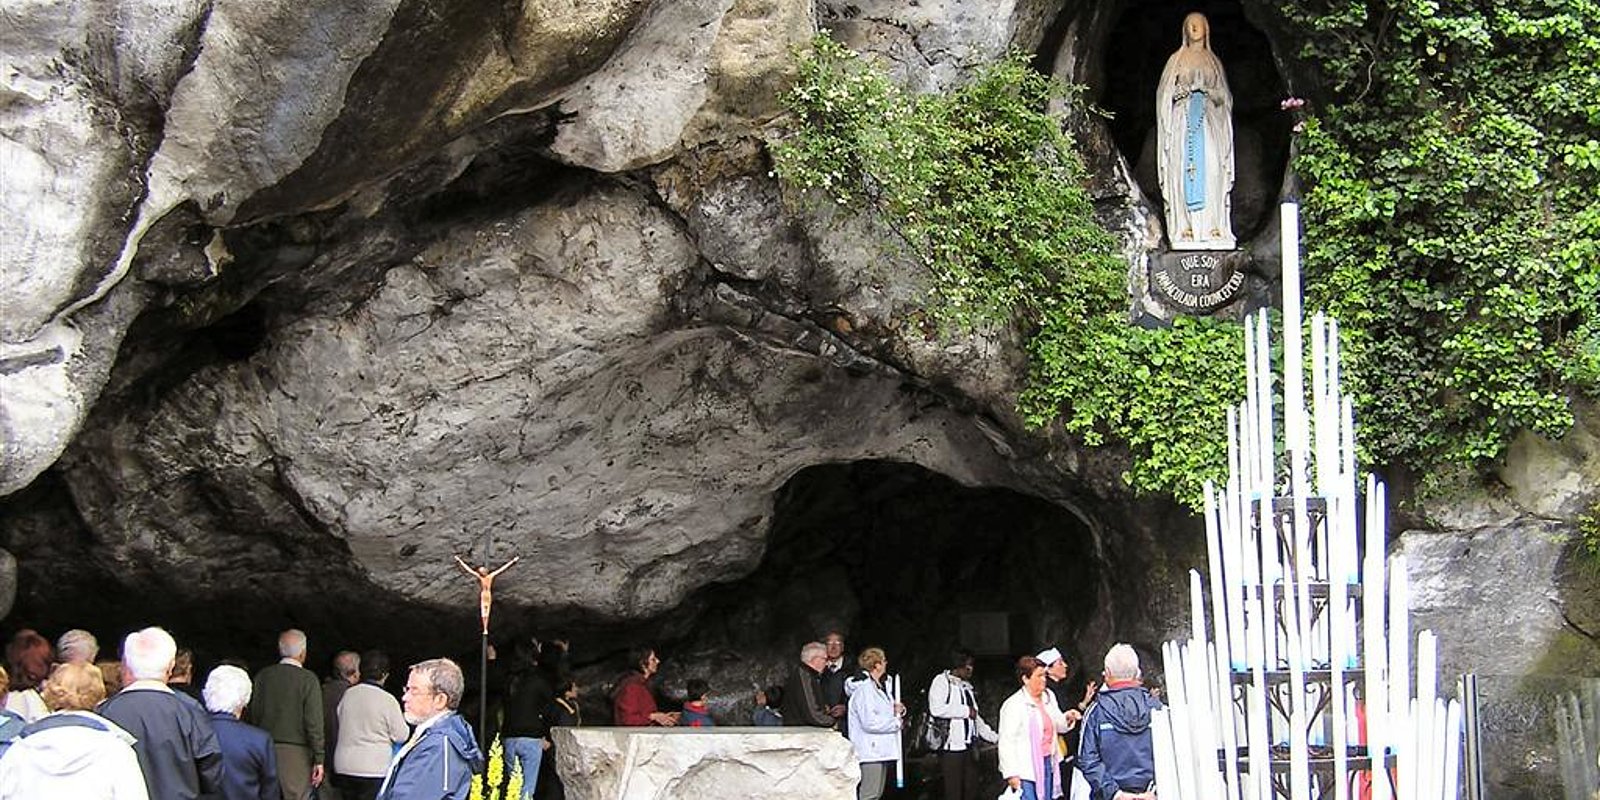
[(642, 763)]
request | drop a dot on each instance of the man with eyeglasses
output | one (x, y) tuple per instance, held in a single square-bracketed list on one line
[(439, 760)]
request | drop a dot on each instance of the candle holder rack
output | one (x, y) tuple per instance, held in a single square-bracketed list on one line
[(1301, 682)]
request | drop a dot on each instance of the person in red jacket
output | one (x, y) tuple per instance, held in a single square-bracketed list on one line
[(632, 703)]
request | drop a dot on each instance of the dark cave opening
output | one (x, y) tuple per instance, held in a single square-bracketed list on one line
[(1136, 48), (903, 558)]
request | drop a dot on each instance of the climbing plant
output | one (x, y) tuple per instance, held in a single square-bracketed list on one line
[(984, 188), (1452, 213)]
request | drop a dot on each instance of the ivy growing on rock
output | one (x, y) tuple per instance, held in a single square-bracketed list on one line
[(1453, 215), (984, 189), (1452, 209)]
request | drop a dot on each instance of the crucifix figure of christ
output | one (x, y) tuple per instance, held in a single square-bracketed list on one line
[(485, 580)]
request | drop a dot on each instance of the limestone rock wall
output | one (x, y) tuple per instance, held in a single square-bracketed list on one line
[(361, 285), (302, 298)]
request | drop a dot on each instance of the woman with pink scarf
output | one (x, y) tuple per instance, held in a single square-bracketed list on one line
[(1029, 723)]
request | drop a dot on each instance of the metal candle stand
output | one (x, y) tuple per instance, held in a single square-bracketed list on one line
[(1305, 610)]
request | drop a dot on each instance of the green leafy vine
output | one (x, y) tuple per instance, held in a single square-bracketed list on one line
[(984, 188), (1453, 216), (1452, 213)]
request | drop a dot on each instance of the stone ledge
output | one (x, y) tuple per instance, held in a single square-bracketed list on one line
[(666, 763)]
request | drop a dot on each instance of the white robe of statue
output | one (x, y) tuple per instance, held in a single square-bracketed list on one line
[(1194, 128)]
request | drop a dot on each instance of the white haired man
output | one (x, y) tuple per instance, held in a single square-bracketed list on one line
[(77, 646), (438, 761), (175, 742), (287, 703), (250, 764), (802, 695), (1115, 754)]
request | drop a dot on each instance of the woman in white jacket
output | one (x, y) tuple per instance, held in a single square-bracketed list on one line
[(1029, 723), (874, 720), (72, 752)]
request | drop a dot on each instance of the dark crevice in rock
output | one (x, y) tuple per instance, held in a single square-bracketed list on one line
[(10, 364), (1055, 36), (511, 171), (237, 336), (1573, 624)]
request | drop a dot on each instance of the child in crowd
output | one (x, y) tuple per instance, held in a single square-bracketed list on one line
[(768, 703), (696, 714)]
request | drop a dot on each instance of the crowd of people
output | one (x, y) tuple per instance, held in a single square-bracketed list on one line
[(142, 727), (1050, 744), (138, 728)]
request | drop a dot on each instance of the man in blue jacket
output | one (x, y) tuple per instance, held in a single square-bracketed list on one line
[(438, 762), (1115, 755)]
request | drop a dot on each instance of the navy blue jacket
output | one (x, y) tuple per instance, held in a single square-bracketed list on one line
[(177, 746), (1116, 753), (437, 766), (249, 762)]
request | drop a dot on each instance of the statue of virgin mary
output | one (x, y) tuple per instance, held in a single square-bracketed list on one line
[(1194, 128)]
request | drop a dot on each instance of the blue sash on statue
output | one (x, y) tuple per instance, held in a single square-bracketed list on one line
[(1194, 153)]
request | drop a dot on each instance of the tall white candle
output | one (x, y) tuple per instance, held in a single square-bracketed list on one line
[(1375, 650), (1352, 561), (1162, 746), (1216, 557), (1452, 751), (1320, 429), (1299, 765), (1399, 634), (1294, 411), (1265, 443), (1250, 410), (1269, 574), (1227, 729), (899, 753), (1179, 712)]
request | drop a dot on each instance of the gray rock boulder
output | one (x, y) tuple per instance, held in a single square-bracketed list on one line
[(522, 380), (1493, 595), (690, 72)]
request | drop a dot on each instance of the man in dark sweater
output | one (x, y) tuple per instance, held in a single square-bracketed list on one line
[(802, 695), (287, 703), (175, 742)]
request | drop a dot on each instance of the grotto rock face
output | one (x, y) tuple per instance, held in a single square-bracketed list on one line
[(538, 289), (516, 379), (303, 298)]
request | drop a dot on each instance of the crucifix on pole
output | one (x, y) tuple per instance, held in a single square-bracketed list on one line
[(485, 578)]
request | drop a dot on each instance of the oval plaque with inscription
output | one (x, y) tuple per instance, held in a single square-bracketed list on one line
[(1198, 281)]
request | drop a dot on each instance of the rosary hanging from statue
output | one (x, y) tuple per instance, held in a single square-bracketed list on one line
[(485, 580)]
